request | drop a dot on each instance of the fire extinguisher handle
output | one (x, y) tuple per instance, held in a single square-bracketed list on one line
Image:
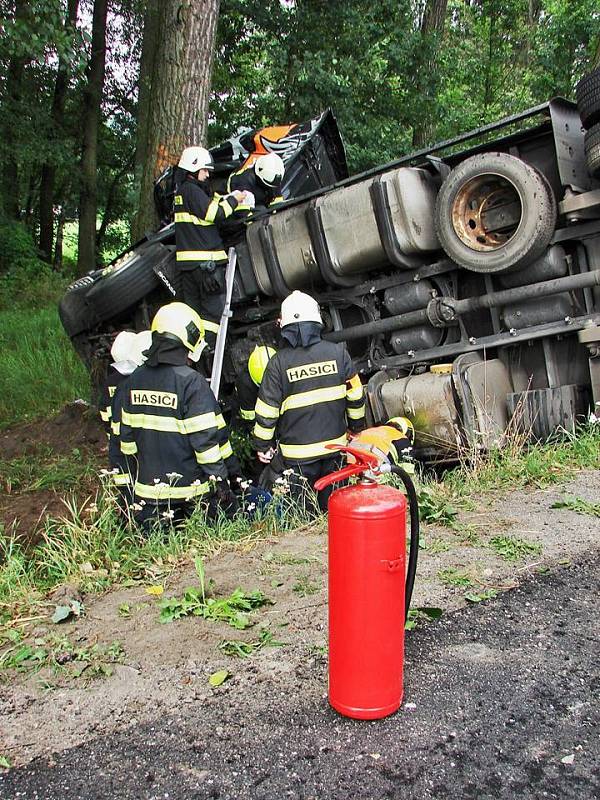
[(364, 462)]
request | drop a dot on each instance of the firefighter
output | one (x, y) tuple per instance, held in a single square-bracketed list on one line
[(165, 424), (262, 179), (127, 354), (309, 396), (391, 442), (249, 379), (201, 257)]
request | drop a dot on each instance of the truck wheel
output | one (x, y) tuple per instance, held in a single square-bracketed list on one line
[(592, 150), (495, 213), (127, 281), (588, 99)]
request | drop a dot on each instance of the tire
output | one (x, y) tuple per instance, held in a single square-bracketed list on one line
[(127, 281), (74, 312), (495, 213), (592, 150), (588, 99)]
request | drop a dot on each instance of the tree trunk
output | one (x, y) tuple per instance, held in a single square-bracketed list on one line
[(48, 169), (86, 254), (10, 112), (147, 62), (58, 247), (180, 91), (432, 29)]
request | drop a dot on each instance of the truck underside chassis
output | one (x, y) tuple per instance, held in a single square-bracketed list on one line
[(465, 283), (468, 290)]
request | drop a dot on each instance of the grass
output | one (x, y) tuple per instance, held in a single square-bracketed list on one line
[(93, 547), (512, 548), (40, 370), (454, 577), (44, 470), (579, 505)]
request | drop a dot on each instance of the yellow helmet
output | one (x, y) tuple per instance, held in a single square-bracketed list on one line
[(179, 321), (258, 360), (405, 427)]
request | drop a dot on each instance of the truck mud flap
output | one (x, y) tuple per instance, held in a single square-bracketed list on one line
[(168, 274)]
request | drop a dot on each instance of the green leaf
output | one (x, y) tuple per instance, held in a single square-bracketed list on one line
[(5, 762), (219, 677), (431, 611), (61, 613)]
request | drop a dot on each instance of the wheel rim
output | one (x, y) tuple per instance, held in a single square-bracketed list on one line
[(487, 212)]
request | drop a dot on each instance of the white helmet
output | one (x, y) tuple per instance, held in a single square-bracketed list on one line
[(299, 307), (269, 169), (122, 347), (195, 158), (141, 343)]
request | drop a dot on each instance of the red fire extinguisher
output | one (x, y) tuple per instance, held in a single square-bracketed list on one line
[(369, 594)]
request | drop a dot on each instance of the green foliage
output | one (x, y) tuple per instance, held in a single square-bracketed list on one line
[(578, 505), (44, 470), (513, 548), (61, 655), (435, 507), (40, 370), (454, 577), (232, 609), (242, 649), (416, 616), (481, 597)]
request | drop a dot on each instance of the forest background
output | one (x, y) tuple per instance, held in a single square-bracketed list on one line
[(97, 96)]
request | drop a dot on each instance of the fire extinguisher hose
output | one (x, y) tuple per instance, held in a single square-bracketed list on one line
[(413, 504)]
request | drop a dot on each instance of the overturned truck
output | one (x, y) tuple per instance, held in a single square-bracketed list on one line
[(464, 280)]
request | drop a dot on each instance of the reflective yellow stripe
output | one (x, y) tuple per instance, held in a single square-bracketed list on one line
[(178, 199), (279, 199), (309, 450), (226, 450), (115, 428), (185, 216), (314, 397), (213, 327), (162, 491), (211, 211), (220, 421), (355, 413), (247, 414), (355, 390), (210, 456), (265, 410), (225, 207), (263, 433), (153, 422), (105, 414), (129, 448), (122, 480), (201, 255)]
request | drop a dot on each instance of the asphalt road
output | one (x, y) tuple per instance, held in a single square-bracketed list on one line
[(498, 695)]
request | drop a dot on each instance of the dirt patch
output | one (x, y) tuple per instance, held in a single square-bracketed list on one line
[(76, 426), (75, 432), (167, 665)]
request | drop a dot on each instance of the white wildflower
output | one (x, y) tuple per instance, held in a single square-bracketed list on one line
[(136, 506), (197, 482), (170, 514), (105, 472), (93, 507), (212, 478), (156, 480), (251, 506), (173, 476), (244, 484), (288, 471)]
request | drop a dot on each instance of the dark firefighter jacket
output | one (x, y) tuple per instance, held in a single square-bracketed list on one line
[(247, 392), (198, 216), (167, 424), (246, 180), (113, 379), (308, 397)]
